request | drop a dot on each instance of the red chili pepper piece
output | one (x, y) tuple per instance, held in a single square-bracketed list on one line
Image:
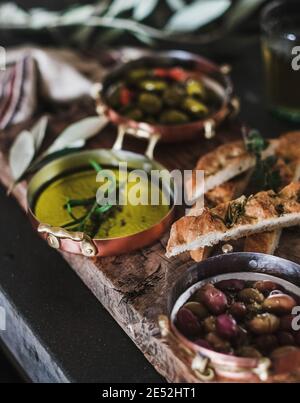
[(178, 74), (160, 72), (125, 96)]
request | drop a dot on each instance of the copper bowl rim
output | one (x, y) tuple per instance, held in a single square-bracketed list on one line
[(216, 357), (146, 235), (208, 65)]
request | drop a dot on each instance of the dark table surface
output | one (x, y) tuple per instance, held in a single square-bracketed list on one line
[(79, 335)]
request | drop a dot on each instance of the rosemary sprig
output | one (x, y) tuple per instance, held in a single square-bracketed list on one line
[(255, 143), (265, 176), (236, 210), (95, 214)]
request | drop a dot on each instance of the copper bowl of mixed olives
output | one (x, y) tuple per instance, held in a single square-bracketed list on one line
[(171, 96), (234, 318)]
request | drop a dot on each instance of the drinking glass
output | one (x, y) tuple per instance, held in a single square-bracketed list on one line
[(280, 24)]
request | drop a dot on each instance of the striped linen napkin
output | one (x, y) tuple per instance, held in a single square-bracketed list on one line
[(33, 74)]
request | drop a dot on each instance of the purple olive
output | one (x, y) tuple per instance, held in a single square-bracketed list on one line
[(233, 285), (250, 295), (198, 309), (214, 299), (238, 310), (226, 326), (267, 343), (218, 343), (279, 304), (248, 352), (264, 324), (187, 323), (285, 339), (209, 324), (286, 322), (203, 343), (265, 286)]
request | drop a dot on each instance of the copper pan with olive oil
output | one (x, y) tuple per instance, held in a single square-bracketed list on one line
[(64, 207)]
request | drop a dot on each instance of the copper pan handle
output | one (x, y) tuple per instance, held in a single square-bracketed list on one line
[(234, 107), (101, 108), (54, 235), (231, 112), (199, 363), (152, 138)]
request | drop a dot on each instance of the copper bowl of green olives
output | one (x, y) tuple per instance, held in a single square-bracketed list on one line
[(237, 318), (172, 96)]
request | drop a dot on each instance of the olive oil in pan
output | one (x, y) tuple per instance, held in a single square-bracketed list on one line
[(122, 221), (282, 81)]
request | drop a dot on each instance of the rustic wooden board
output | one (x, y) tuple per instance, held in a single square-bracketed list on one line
[(134, 287)]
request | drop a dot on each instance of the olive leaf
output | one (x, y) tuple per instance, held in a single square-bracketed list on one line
[(77, 15), (25, 147), (21, 154), (241, 10), (197, 14), (176, 5), (38, 132), (119, 6), (143, 9), (77, 132)]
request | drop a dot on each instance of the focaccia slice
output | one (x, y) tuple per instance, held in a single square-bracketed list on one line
[(265, 211), (288, 150), (224, 163), (221, 194)]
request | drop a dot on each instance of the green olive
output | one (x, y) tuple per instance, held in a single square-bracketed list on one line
[(210, 324), (254, 307), (135, 75), (194, 107), (153, 85), (173, 117), (251, 295), (198, 309), (149, 103), (173, 96), (195, 87)]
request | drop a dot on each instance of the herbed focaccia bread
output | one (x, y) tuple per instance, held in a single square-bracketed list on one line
[(227, 191), (262, 212), (221, 194), (267, 242), (225, 163), (288, 151), (289, 146)]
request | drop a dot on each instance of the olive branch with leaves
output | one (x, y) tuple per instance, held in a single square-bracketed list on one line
[(183, 21)]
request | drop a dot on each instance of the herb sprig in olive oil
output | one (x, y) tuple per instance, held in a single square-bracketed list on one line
[(95, 213)]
